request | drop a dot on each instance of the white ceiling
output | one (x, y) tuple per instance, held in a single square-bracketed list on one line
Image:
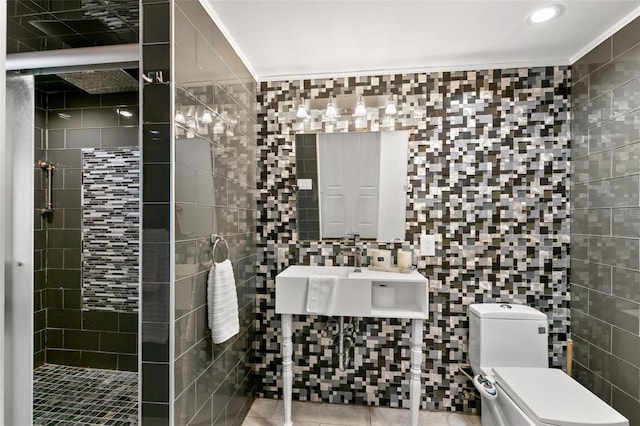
[(283, 39)]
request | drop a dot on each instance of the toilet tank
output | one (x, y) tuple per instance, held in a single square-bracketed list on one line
[(506, 335)]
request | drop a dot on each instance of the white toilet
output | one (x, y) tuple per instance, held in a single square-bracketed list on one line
[(508, 354)]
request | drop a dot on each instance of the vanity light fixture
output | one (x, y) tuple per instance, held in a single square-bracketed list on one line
[(192, 124), (391, 107), (360, 111), (545, 14), (206, 117), (180, 117), (302, 110), (331, 112)]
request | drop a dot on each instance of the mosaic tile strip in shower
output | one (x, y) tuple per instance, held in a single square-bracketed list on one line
[(488, 175), (64, 395), (110, 229)]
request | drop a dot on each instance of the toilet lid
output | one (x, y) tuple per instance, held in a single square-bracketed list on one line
[(553, 397)]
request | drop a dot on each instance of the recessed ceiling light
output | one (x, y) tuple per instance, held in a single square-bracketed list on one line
[(545, 14)]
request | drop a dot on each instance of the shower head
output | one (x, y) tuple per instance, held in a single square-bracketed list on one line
[(102, 81)]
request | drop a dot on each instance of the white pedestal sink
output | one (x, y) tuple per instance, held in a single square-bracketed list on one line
[(358, 294)]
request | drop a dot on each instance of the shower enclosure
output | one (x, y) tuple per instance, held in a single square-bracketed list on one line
[(75, 184)]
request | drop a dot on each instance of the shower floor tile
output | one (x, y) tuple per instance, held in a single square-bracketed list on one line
[(68, 396)]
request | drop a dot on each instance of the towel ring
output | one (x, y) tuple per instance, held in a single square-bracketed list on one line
[(215, 240)]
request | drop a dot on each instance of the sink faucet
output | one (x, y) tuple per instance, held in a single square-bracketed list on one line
[(352, 236), (355, 251)]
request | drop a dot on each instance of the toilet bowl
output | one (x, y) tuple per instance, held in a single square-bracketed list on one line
[(508, 354)]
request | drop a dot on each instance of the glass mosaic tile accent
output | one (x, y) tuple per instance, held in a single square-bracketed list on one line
[(64, 395), (110, 229)]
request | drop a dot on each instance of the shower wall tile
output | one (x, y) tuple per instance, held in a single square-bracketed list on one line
[(593, 60), (593, 382), (626, 404), (626, 98), (626, 38), (591, 329), (626, 284), (617, 192), (599, 166), (119, 137), (618, 312), (452, 173), (626, 222), (155, 59), (87, 119), (611, 271), (621, 252), (111, 222), (615, 370), (626, 346), (580, 298), (215, 193), (39, 240), (626, 160), (156, 143), (619, 71), (157, 148), (160, 14), (614, 133), (598, 221)]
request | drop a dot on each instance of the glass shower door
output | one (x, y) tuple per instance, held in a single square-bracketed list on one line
[(18, 230)]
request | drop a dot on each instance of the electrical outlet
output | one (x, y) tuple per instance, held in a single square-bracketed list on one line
[(427, 245), (305, 184)]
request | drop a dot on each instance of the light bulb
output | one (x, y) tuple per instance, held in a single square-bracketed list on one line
[(180, 117), (331, 112), (206, 117), (360, 109), (302, 111), (391, 107)]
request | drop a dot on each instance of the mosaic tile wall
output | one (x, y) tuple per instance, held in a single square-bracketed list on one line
[(489, 175), (110, 229)]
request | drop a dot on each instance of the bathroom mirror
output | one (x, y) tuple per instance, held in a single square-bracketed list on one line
[(352, 183)]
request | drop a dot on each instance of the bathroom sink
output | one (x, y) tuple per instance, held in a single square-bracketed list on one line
[(364, 294)]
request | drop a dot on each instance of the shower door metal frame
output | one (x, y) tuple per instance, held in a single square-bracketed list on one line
[(3, 54), (18, 202)]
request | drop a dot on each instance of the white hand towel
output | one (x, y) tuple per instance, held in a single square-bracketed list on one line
[(320, 293), (222, 302)]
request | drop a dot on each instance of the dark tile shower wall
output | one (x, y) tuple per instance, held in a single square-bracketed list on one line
[(76, 336), (214, 193), (605, 224), (40, 235), (215, 187), (157, 147), (488, 172)]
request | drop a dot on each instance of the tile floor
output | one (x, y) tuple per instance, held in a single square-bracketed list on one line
[(70, 396), (269, 412)]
